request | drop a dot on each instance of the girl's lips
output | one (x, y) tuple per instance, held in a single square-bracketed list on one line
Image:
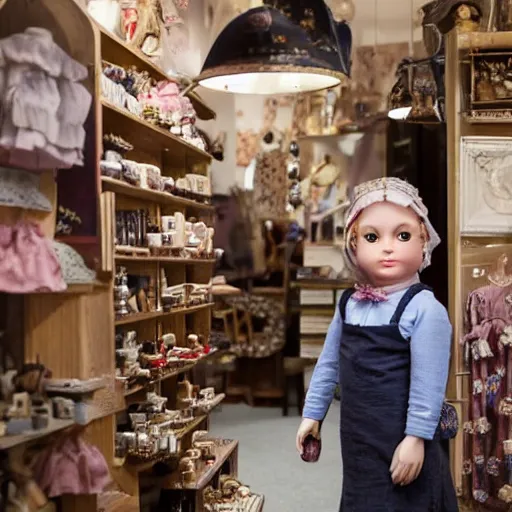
[(388, 263)]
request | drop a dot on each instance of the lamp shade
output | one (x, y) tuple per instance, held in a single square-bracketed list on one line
[(418, 94), (441, 13), (400, 98), (268, 51)]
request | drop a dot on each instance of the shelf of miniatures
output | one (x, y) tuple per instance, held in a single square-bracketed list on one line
[(480, 224), (106, 304)]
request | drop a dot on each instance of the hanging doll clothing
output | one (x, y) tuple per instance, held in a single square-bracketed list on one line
[(42, 104), (271, 184), (28, 263), (488, 354), (20, 189), (71, 467)]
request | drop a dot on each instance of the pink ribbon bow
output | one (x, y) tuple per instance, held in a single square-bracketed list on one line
[(365, 292)]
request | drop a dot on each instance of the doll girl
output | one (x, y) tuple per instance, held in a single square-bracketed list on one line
[(388, 346)]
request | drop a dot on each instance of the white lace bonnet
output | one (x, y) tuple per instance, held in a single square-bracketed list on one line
[(395, 191)]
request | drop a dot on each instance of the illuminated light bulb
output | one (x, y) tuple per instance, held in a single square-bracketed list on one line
[(343, 10)]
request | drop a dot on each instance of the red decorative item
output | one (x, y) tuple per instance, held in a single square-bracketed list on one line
[(311, 449), (158, 363), (130, 18)]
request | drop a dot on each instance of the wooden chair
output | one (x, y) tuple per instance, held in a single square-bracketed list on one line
[(227, 318)]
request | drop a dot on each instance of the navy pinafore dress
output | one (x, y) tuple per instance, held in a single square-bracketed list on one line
[(374, 381)]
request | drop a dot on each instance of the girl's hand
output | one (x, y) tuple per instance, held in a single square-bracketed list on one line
[(307, 427), (407, 460)]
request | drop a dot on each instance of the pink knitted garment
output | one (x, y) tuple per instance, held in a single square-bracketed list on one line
[(28, 262), (71, 467)]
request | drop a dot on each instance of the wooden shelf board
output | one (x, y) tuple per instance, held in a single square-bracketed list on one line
[(319, 285), (314, 310), (117, 502), (79, 288), (191, 426), (217, 401), (165, 259), (173, 482), (125, 189), (169, 375), (254, 503), (55, 425), (268, 290), (135, 389), (312, 338), (142, 317), (486, 120), (223, 290), (138, 317), (484, 40), (153, 138), (147, 466), (322, 138), (173, 373), (116, 51)]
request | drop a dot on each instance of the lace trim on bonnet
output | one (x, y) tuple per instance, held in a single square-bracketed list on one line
[(393, 190)]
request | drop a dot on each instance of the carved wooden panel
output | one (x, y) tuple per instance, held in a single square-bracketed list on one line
[(486, 185)]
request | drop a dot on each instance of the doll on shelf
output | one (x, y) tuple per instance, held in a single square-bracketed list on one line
[(388, 348)]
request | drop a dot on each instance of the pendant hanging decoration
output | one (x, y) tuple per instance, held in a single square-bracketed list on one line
[(278, 48)]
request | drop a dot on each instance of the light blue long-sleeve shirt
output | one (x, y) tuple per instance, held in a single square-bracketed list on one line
[(426, 325)]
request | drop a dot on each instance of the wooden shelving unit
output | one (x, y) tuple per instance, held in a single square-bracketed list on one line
[(311, 341), (459, 392), (73, 332), (115, 50), (164, 259), (152, 196), (319, 285), (153, 139), (174, 483), (175, 157), (69, 332), (142, 317), (55, 426)]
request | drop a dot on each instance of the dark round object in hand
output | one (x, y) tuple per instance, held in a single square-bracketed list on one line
[(293, 171), (294, 149), (311, 449), (268, 138), (295, 201)]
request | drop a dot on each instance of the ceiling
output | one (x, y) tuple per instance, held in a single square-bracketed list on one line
[(383, 21)]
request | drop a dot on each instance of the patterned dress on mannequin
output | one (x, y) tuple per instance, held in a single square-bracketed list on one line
[(488, 457)]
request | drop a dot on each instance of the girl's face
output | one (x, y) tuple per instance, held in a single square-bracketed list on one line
[(389, 243)]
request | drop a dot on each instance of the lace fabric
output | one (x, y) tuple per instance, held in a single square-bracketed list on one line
[(43, 102), (20, 189)]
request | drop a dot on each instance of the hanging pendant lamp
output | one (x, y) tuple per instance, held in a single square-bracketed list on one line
[(343, 10), (293, 47), (400, 98)]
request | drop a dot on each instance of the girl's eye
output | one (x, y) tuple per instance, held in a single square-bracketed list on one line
[(370, 237), (404, 236)]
